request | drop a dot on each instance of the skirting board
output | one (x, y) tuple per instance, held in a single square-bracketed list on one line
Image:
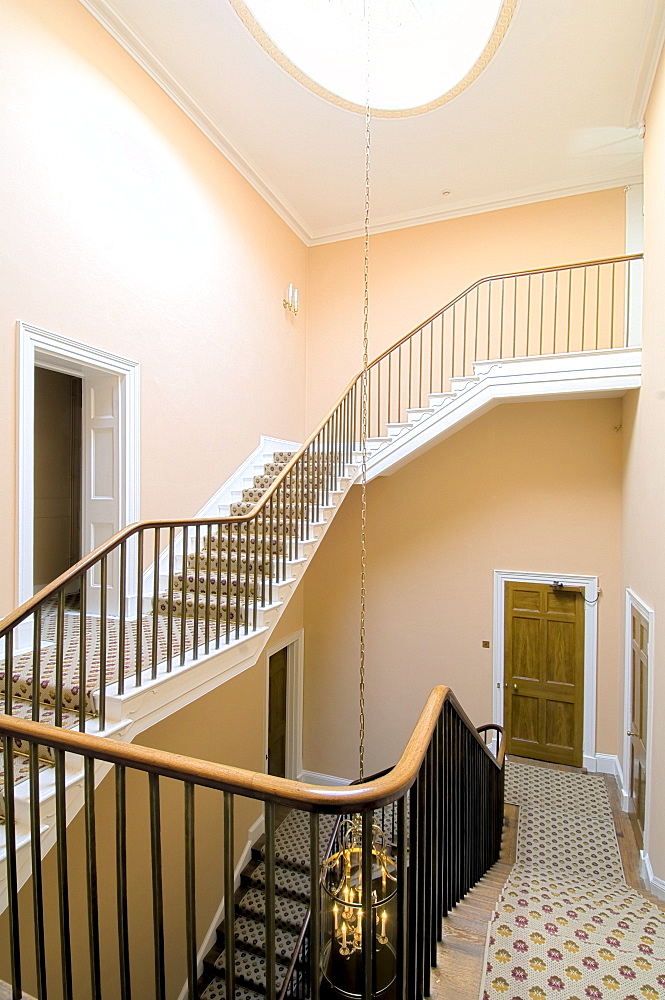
[(657, 884), (255, 831), (314, 778)]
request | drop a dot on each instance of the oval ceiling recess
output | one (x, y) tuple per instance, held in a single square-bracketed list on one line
[(422, 52)]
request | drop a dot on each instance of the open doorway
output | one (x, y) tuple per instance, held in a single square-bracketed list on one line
[(57, 478), (106, 443), (283, 715)]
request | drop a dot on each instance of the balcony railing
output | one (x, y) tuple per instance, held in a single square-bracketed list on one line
[(127, 626), (128, 924)]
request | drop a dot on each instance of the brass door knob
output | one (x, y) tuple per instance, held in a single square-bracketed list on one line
[(515, 686), (631, 733)]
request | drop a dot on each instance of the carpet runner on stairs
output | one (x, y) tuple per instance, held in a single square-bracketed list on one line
[(292, 880), (216, 592), (213, 594), (567, 925)]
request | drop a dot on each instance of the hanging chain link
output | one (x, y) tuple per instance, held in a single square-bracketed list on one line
[(364, 407)]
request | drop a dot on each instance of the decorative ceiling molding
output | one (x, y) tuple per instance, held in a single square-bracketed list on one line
[(118, 28), (471, 207), (653, 39), (265, 41), (653, 33)]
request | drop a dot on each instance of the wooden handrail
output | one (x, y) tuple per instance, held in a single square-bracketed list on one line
[(498, 277), (266, 787), (88, 561)]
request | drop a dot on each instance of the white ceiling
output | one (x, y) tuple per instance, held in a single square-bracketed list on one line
[(556, 112)]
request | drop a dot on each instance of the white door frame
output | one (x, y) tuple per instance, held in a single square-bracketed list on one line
[(591, 593), (50, 350), (633, 601), (295, 661)]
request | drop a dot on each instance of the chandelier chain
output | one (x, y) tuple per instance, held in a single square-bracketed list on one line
[(364, 404)]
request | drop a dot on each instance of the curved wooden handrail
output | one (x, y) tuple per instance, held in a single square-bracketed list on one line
[(501, 753), (88, 561), (266, 787)]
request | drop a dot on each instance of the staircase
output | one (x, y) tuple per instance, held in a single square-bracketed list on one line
[(292, 882), (184, 606)]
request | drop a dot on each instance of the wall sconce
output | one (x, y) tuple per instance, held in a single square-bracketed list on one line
[(291, 300)]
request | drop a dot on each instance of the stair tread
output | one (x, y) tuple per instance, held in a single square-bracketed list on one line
[(250, 967), (216, 990), (250, 933), (288, 882), (288, 911)]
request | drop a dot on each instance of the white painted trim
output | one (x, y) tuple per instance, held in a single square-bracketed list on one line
[(609, 763), (119, 29), (585, 374), (591, 593), (314, 778), (657, 884), (295, 663), (651, 44), (254, 832), (470, 206), (61, 354), (123, 33), (633, 601)]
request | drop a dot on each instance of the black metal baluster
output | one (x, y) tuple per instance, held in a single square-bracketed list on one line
[(368, 929), (190, 892), (229, 897), (63, 879), (121, 880), (315, 906), (122, 623), (155, 598), (12, 875), (269, 862), (138, 652), (37, 880), (402, 874), (183, 593), (91, 878), (169, 610), (59, 657), (157, 895)]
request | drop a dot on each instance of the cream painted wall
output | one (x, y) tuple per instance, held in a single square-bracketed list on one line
[(527, 487), (124, 228), (644, 490), (414, 272)]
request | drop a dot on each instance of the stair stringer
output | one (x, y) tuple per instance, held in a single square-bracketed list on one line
[(587, 374), (141, 707)]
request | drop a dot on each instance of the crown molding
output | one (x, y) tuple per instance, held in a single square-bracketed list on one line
[(653, 39), (473, 206), (124, 34)]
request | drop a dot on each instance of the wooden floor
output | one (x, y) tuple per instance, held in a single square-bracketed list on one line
[(461, 953)]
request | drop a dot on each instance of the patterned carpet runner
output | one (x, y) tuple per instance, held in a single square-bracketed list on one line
[(213, 588), (567, 925), (291, 906)]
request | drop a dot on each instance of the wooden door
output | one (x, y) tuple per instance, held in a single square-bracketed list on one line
[(544, 672), (639, 688), (277, 680), (102, 481)]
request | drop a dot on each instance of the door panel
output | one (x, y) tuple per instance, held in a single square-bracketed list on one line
[(101, 480), (544, 672), (638, 720)]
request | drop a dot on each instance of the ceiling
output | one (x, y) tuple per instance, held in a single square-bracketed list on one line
[(556, 112)]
